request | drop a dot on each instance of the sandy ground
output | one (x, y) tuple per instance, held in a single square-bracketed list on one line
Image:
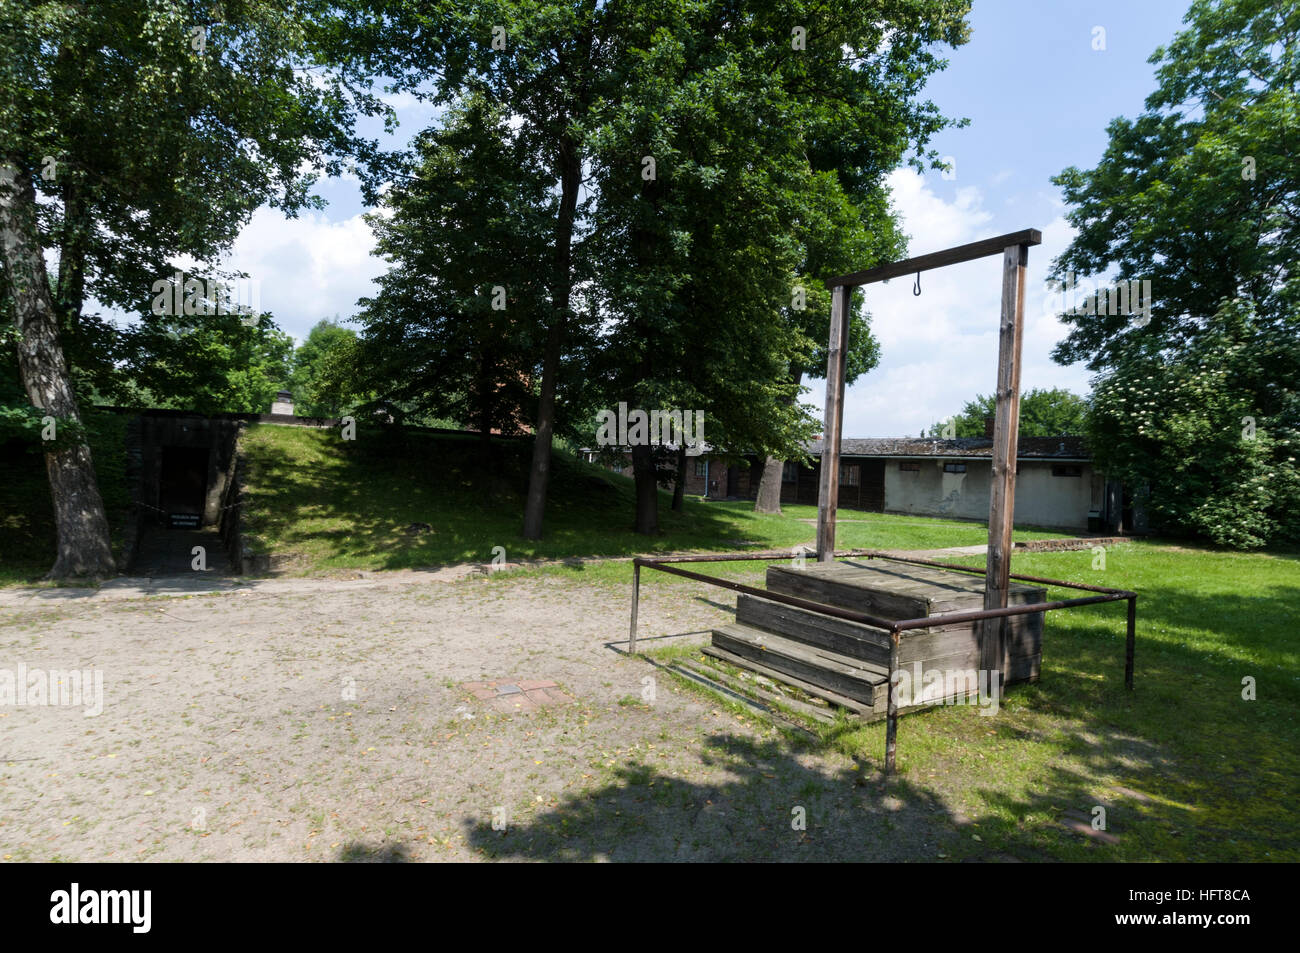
[(325, 720)]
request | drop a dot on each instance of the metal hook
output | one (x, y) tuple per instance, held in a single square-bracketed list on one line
[(916, 288)]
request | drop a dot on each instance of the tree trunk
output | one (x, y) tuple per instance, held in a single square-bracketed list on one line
[(71, 282), (769, 487), (679, 488), (84, 548), (647, 489), (486, 381), (540, 471)]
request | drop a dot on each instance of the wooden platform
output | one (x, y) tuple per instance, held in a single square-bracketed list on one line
[(848, 663)]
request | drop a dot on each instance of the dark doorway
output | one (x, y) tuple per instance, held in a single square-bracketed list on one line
[(182, 485), (873, 486), (862, 485), (733, 481)]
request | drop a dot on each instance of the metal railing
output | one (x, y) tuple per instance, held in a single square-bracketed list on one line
[(895, 627)]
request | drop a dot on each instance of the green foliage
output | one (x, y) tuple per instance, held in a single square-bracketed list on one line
[(211, 363), (1043, 413), (20, 422), (148, 142), (1200, 195), (36, 427), (1186, 430), (768, 175), (676, 289), (455, 326), (314, 367)]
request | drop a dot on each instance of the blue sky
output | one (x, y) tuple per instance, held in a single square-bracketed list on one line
[(1039, 97)]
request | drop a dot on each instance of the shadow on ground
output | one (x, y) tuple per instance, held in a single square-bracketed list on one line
[(774, 804), (359, 852)]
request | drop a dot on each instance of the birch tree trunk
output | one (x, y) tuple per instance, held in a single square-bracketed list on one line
[(83, 542)]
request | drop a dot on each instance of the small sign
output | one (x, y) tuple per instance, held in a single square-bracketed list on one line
[(183, 520)]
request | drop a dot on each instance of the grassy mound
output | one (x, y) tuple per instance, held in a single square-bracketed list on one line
[(364, 504)]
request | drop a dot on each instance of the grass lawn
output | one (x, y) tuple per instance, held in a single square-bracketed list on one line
[(1186, 768), (347, 505)]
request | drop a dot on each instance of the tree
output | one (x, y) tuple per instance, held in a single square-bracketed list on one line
[(312, 363), (838, 235), (1200, 197), (546, 64), (712, 172), (1043, 413), (131, 133), (210, 363), (84, 547), (1181, 428), (463, 305), (595, 88)]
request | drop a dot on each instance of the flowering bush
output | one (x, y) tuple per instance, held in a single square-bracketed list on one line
[(1209, 435)]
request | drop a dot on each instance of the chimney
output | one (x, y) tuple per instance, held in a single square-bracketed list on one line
[(988, 425), (283, 403)]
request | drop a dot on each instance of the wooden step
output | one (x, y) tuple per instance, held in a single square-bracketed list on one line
[(712, 680), (851, 677), (899, 591), (891, 590), (821, 631), (730, 685), (857, 707)]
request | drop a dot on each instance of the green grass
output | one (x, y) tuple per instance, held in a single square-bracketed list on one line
[(1216, 775), (346, 505), (343, 505), (27, 537)]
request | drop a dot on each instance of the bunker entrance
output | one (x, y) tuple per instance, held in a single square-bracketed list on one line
[(182, 486)]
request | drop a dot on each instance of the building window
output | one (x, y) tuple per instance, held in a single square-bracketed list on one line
[(790, 473), (910, 466), (1064, 471), (848, 474), (954, 468), (701, 468)]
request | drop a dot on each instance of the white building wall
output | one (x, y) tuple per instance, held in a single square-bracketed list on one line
[(1046, 500), (1041, 499)]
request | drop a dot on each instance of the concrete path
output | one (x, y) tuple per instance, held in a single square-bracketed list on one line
[(171, 552), (946, 553), (198, 583)]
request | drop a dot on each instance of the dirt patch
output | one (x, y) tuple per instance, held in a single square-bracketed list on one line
[(328, 722)]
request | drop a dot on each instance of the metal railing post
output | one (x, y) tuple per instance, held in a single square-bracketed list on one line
[(891, 728), (636, 598), (1129, 641)]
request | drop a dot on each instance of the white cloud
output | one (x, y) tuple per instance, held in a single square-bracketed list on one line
[(309, 267), (933, 223), (940, 349)]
